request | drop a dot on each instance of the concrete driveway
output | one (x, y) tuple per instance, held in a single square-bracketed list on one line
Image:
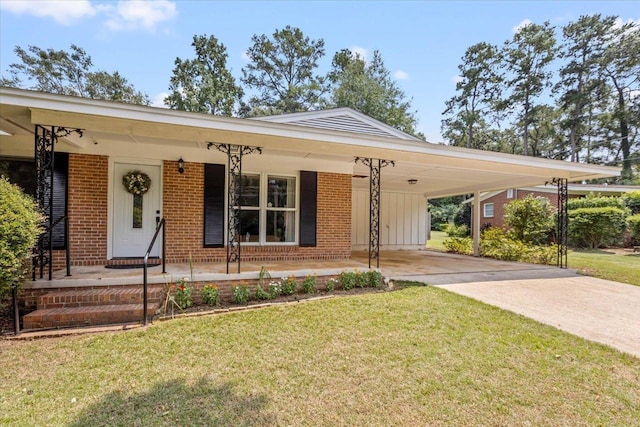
[(598, 310)]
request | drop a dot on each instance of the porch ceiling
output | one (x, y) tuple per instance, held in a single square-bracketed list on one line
[(439, 170)]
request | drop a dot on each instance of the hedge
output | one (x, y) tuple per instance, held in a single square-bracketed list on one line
[(596, 227)]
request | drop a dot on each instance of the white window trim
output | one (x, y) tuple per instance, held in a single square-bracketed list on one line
[(510, 193), (484, 210), (264, 182)]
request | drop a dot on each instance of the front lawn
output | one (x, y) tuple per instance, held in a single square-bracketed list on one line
[(416, 356), (620, 267)]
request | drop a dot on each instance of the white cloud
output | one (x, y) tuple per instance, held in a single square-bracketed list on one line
[(360, 52), (130, 15), (521, 25), (124, 15), (401, 75), (245, 56), (620, 22), (456, 79), (65, 12), (158, 100)]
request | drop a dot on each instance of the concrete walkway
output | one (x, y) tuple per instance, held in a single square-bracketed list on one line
[(598, 310)]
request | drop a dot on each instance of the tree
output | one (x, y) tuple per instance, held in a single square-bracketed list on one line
[(368, 87), (528, 56), (282, 71), (583, 46), (69, 73), (20, 225), (204, 84), (621, 67), (530, 220), (478, 92)]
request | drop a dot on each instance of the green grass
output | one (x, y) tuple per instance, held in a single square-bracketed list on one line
[(606, 265), (417, 356), (437, 237)]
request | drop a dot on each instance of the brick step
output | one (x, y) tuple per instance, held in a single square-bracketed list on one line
[(96, 297), (86, 316)]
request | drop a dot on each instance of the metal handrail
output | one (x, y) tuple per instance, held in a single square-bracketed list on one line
[(161, 226)]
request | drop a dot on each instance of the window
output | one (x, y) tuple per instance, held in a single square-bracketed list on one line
[(510, 193), (268, 209), (488, 210)]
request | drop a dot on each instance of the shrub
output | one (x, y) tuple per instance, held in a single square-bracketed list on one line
[(309, 284), (289, 285), (632, 201), (540, 254), (261, 294), (634, 227), (241, 294), (362, 280), (459, 245), (182, 293), (530, 220), (331, 285), (275, 289), (20, 226), (496, 243), (375, 278), (210, 294), (347, 280), (453, 230), (596, 227), (596, 201)]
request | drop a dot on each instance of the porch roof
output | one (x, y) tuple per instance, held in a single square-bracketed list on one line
[(440, 170)]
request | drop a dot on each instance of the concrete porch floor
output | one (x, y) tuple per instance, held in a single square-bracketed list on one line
[(421, 265)]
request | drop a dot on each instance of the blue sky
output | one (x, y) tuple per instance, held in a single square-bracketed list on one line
[(421, 42)]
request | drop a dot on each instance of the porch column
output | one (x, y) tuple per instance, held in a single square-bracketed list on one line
[(475, 220), (375, 165), (45, 139), (563, 221), (234, 190)]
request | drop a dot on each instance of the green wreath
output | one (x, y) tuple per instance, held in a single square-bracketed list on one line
[(136, 182)]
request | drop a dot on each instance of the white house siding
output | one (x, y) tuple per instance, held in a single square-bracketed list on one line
[(403, 219)]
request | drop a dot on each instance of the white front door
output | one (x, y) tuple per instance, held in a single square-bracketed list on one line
[(134, 217)]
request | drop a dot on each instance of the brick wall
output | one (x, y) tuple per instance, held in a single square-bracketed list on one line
[(87, 209), (500, 199), (183, 204)]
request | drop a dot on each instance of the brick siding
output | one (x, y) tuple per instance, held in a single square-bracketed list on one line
[(500, 199)]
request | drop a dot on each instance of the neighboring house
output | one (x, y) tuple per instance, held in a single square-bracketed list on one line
[(492, 203), (304, 197)]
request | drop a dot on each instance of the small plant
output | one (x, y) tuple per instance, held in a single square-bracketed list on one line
[(331, 284), (275, 289), (241, 294), (182, 293), (289, 285), (210, 295), (347, 280), (362, 279), (375, 278), (261, 294), (309, 284)]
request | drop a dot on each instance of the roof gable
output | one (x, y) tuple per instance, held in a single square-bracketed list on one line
[(340, 119)]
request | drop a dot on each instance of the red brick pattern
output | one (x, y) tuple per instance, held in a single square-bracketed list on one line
[(183, 206), (500, 199), (87, 209), (183, 203)]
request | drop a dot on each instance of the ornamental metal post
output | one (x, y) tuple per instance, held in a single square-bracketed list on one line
[(375, 165), (234, 191), (44, 156), (563, 221)]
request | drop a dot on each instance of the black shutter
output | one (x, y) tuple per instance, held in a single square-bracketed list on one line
[(60, 173), (214, 206), (308, 207)]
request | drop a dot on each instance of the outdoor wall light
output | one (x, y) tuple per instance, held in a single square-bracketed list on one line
[(412, 181), (181, 166)]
